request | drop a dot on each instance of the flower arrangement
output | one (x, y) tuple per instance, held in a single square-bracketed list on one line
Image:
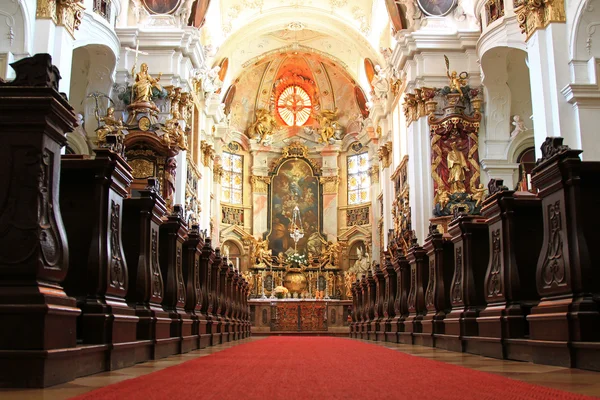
[(280, 292), (296, 258)]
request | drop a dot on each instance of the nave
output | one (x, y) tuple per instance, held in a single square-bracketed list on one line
[(325, 368)]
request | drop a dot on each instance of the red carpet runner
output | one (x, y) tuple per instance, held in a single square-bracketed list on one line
[(293, 368)]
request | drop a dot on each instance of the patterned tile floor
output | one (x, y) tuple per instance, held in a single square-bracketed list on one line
[(572, 380)]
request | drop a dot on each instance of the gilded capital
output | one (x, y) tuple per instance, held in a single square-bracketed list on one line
[(537, 14), (208, 153), (217, 173), (260, 184), (385, 154), (330, 184)]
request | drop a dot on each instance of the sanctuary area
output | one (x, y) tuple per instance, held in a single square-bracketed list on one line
[(179, 175)]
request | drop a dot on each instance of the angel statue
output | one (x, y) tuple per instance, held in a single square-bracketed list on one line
[(457, 81), (262, 128), (262, 254), (328, 124), (380, 83), (331, 254), (112, 126)]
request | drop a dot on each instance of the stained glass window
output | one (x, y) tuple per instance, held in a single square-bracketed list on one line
[(359, 180), (294, 106), (232, 179)]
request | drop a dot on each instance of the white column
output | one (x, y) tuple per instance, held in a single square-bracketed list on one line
[(260, 197), (419, 177), (180, 178), (549, 73)]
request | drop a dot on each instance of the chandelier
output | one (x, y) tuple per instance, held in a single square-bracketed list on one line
[(296, 231)]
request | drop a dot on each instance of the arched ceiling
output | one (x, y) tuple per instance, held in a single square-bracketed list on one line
[(327, 83), (340, 29)]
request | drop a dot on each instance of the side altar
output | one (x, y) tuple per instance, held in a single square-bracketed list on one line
[(300, 315)]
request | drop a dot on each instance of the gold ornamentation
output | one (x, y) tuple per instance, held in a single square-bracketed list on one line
[(357, 216), (144, 123), (141, 168), (478, 194), (538, 14), (217, 173), (232, 215), (385, 154), (173, 135), (327, 125), (374, 172), (457, 165), (112, 126), (260, 184), (330, 184), (67, 13), (294, 150), (263, 126), (142, 87), (208, 153), (410, 108), (457, 81), (46, 9), (494, 9)]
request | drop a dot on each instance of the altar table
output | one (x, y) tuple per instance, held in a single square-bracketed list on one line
[(295, 315)]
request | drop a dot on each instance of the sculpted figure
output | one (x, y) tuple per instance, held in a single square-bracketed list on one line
[(111, 125), (380, 83), (170, 173), (456, 82), (327, 124), (173, 134), (262, 252), (142, 88), (478, 194), (519, 126), (457, 165), (263, 126), (332, 252), (441, 197)]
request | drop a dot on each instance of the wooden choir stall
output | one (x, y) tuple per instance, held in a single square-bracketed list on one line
[(95, 274)]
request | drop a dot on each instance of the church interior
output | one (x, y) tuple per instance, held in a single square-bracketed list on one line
[(414, 183)]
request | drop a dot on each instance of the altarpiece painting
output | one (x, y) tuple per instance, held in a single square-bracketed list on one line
[(295, 184)]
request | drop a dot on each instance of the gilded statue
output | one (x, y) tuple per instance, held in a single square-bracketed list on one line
[(263, 126), (331, 253), (170, 176), (478, 194), (349, 279), (327, 124), (173, 135), (248, 277), (457, 81), (441, 197), (262, 254), (142, 88), (111, 125), (457, 165)]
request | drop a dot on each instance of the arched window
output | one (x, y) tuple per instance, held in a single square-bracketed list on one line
[(359, 180), (232, 179), (294, 106)]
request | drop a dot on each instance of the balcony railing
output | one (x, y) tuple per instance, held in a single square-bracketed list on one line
[(103, 8)]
